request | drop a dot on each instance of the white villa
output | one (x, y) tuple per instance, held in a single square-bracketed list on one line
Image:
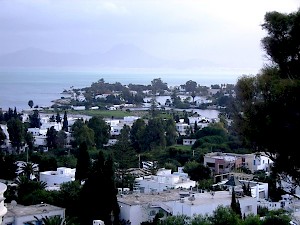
[(138, 208), (3, 209), (182, 127), (54, 179), (164, 180), (20, 215)]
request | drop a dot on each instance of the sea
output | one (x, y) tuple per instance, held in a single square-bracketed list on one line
[(42, 86)]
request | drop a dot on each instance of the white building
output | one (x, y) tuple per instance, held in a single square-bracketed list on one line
[(188, 142), (54, 179), (3, 209), (163, 180), (182, 127), (20, 215), (144, 207)]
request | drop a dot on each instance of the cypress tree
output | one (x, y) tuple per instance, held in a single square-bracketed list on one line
[(83, 163), (65, 122)]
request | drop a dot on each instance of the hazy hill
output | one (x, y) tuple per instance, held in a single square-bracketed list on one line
[(120, 56)]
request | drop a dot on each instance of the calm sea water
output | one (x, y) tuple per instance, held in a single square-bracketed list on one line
[(17, 87)]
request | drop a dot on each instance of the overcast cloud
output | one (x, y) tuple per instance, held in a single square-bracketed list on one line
[(225, 32)]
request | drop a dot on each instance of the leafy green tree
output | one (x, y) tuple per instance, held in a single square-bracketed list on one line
[(83, 163), (29, 140), (98, 193), (154, 136), (101, 130), (65, 126), (51, 138), (268, 102), (61, 139), (190, 86), (252, 220), (25, 189), (70, 195), (282, 42), (82, 133), (197, 171), (158, 86), (224, 216), (124, 154), (278, 217), (175, 220), (8, 167), (35, 120), (171, 132), (136, 134), (16, 131)]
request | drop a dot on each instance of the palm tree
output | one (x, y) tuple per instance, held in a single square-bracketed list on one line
[(28, 169), (51, 220)]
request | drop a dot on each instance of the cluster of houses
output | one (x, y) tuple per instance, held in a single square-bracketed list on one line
[(116, 125), (166, 192)]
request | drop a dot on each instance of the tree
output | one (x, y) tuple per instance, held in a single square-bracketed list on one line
[(16, 132), (83, 163), (154, 136), (82, 133), (101, 130), (197, 171), (224, 216), (51, 220), (28, 169), (136, 134), (268, 102), (235, 205), (35, 120), (98, 193), (58, 118), (171, 132), (30, 103), (70, 195), (283, 41), (29, 139), (158, 86), (190, 86), (51, 137), (8, 166), (65, 122), (61, 139)]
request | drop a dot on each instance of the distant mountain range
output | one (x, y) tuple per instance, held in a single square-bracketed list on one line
[(120, 56)]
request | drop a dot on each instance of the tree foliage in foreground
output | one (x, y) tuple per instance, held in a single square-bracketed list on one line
[(267, 105)]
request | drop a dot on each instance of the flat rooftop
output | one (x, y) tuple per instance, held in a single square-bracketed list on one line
[(21, 210), (174, 195)]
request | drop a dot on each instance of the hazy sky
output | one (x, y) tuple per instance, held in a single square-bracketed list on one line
[(226, 32)]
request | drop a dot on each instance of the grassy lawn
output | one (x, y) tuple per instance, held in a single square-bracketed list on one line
[(117, 114)]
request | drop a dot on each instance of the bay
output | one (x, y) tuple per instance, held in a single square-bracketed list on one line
[(43, 86)]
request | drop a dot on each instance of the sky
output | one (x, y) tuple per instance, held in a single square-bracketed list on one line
[(226, 32)]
